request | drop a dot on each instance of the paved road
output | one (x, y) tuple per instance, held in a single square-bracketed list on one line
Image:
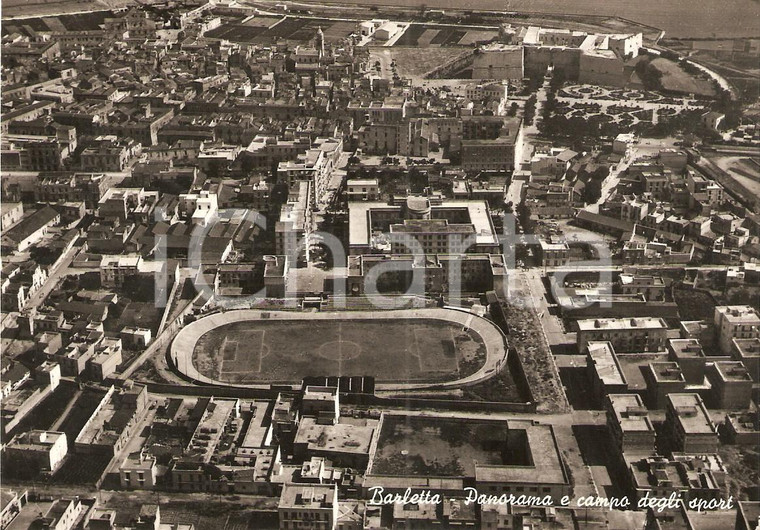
[(553, 328)]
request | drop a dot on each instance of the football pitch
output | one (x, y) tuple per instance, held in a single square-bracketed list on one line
[(412, 350)]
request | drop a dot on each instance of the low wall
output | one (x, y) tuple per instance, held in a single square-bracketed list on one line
[(410, 403), (216, 391), (623, 310)]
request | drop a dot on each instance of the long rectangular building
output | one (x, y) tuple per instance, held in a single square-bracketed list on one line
[(626, 335)]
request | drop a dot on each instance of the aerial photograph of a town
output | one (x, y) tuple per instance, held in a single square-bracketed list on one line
[(409, 265)]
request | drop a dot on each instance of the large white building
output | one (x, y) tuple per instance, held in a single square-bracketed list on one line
[(308, 506), (735, 322), (43, 449), (295, 221), (421, 225), (199, 207), (627, 335)]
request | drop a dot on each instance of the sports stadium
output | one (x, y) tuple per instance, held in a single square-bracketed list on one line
[(405, 349)]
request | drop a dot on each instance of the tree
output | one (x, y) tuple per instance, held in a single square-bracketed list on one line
[(650, 76), (523, 215), (530, 109), (558, 79), (592, 192)]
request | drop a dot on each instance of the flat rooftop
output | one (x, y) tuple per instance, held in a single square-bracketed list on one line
[(256, 433), (686, 348), (338, 438), (739, 314), (603, 358), (36, 440), (361, 182), (431, 226), (732, 371), (547, 466), (630, 413), (747, 347), (622, 323), (666, 372), (320, 393), (549, 246), (211, 427), (691, 413), (29, 516), (308, 496), (109, 421), (632, 365), (360, 219), (643, 281)]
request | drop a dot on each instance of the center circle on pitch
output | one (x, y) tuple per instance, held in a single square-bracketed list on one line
[(339, 350)]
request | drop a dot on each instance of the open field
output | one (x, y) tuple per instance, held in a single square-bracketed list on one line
[(711, 18), (25, 8), (287, 351), (411, 62), (430, 35), (80, 413), (265, 30), (740, 169), (675, 79), (78, 22), (83, 469), (45, 414), (424, 446)]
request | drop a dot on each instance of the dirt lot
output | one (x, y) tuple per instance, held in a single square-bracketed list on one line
[(404, 350), (25, 8), (743, 464), (675, 79), (424, 446), (414, 63)]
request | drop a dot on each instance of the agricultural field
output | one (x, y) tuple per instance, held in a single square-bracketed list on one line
[(237, 32), (77, 22), (712, 19), (271, 29), (425, 36), (82, 469), (288, 351), (47, 412), (427, 447), (80, 412)]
